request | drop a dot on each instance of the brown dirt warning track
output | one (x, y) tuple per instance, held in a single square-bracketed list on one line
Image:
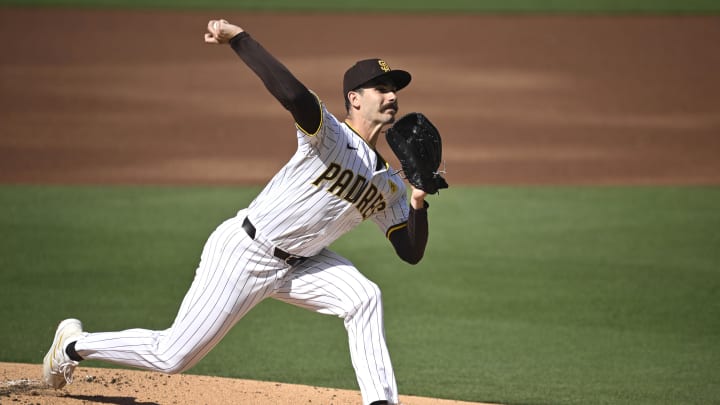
[(136, 97)]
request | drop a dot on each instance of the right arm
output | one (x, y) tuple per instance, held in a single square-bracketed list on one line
[(288, 90)]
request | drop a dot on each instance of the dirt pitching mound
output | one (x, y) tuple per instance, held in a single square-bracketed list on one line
[(22, 384)]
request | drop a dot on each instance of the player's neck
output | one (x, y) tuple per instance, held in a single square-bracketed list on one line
[(369, 131)]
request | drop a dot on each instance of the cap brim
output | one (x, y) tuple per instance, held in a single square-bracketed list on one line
[(400, 78)]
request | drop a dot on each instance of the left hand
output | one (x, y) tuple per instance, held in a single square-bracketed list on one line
[(417, 198)]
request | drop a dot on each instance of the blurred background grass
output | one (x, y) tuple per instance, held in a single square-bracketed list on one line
[(564, 295)]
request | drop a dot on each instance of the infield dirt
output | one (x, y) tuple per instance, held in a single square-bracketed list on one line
[(137, 97), (21, 384), (117, 97)]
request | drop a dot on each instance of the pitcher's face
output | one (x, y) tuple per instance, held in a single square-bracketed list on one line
[(378, 103)]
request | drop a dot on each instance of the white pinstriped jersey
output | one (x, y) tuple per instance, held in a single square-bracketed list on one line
[(332, 183)]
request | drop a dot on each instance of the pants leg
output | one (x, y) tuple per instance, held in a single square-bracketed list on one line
[(329, 284), (233, 276)]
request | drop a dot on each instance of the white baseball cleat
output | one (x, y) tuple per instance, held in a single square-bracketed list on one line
[(58, 367)]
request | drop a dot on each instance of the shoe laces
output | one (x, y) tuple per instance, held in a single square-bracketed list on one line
[(67, 369)]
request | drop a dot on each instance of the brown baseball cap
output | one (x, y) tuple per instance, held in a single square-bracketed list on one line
[(367, 70)]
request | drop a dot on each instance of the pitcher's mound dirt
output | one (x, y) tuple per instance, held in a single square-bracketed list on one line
[(22, 384)]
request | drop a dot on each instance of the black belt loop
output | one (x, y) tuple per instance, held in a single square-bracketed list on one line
[(249, 228), (289, 259)]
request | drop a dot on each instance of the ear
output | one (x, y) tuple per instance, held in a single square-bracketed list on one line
[(354, 99)]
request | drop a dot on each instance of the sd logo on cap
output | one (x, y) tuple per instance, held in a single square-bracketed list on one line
[(367, 70)]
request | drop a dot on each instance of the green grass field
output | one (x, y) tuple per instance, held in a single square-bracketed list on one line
[(494, 6), (569, 295)]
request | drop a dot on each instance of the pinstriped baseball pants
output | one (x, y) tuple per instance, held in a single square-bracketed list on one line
[(236, 273)]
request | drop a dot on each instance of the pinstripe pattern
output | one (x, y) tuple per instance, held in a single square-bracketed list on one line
[(332, 183), (329, 284), (302, 217), (235, 274)]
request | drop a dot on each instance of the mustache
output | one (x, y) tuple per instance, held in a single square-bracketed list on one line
[(390, 105)]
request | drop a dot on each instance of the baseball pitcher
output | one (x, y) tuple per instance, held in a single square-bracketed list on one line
[(277, 246)]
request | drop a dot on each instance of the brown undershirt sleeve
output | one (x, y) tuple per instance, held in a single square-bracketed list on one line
[(410, 241), (288, 90)]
